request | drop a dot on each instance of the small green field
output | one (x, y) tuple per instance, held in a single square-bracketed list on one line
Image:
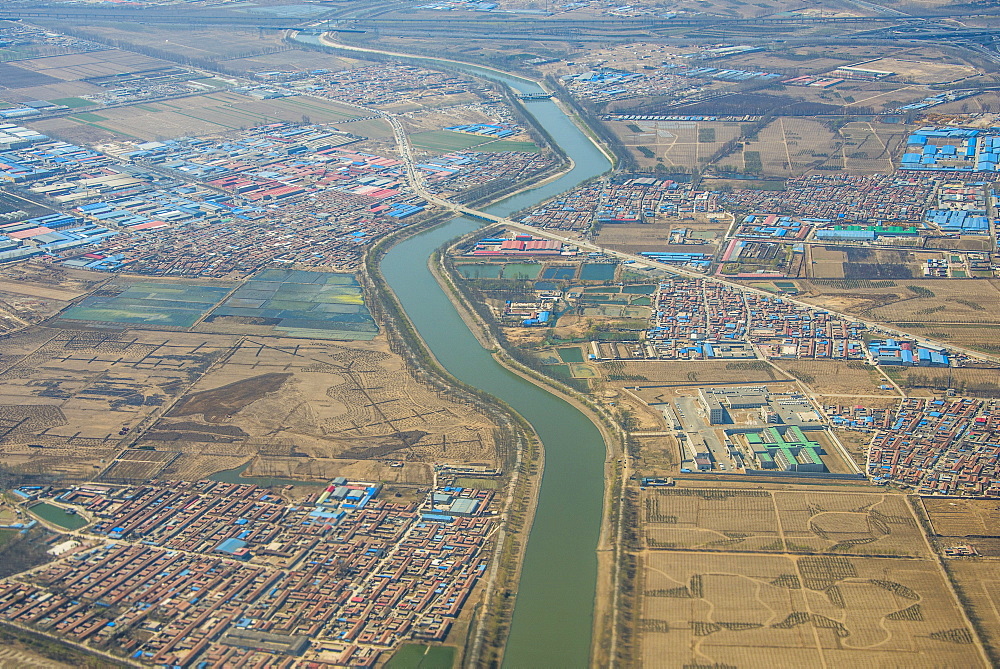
[(445, 140), (417, 656), (509, 145), (570, 354), (598, 272), (520, 270), (478, 484), (73, 103)]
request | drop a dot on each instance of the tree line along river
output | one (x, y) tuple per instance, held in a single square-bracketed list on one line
[(553, 615)]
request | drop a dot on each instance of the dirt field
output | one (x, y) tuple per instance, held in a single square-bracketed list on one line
[(674, 143), (895, 301), (921, 71), (197, 115), (760, 520), (833, 378), (978, 581), (658, 456), (65, 396), (963, 517), (754, 610), (655, 236), (316, 402)]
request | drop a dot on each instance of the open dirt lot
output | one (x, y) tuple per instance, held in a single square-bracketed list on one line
[(315, 402), (218, 401), (655, 235), (922, 71)]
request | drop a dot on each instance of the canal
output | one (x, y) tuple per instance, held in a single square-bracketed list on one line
[(553, 616)]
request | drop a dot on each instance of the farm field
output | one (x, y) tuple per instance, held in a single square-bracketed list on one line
[(219, 401), (674, 143), (206, 114), (907, 300), (137, 465), (792, 146), (975, 381), (978, 581), (66, 394), (831, 377), (756, 520), (758, 610), (443, 141), (501, 145), (691, 373), (962, 517)]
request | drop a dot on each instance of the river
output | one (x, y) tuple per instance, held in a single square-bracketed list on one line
[(553, 616)]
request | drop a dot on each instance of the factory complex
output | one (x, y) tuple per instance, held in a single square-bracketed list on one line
[(280, 193), (760, 430), (208, 573), (952, 150)]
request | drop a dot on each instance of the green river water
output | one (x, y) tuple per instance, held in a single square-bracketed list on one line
[(553, 616)]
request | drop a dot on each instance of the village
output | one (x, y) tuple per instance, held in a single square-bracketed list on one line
[(340, 576)]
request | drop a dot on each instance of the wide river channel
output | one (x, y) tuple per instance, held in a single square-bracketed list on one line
[(553, 616)]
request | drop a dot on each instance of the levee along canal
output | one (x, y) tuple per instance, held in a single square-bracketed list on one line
[(553, 617)]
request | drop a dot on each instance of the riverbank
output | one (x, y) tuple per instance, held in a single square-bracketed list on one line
[(616, 463), (553, 621)]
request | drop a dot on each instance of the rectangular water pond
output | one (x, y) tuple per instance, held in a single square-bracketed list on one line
[(149, 303), (479, 271), (598, 272), (317, 305), (521, 270), (642, 289), (559, 273), (58, 516)]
